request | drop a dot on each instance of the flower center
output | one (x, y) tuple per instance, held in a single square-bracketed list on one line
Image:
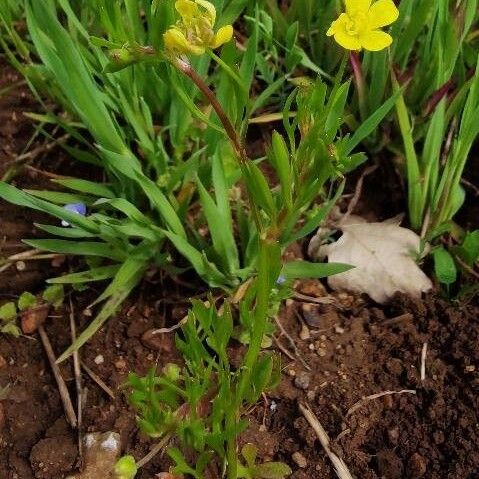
[(356, 24)]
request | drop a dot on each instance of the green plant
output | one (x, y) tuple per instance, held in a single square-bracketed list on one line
[(8, 317), (455, 265), (267, 470), (174, 403), (434, 176), (201, 403), (28, 302), (146, 205)]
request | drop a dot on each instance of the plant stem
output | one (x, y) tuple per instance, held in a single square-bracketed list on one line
[(235, 139), (269, 254), (189, 71), (359, 80), (268, 251)]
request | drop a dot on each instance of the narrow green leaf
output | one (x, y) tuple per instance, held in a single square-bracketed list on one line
[(305, 269), (83, 248), (95, 274), (84, 186)]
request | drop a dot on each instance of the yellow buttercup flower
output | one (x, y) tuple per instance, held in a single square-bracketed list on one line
[(360, 26), (194, 32)]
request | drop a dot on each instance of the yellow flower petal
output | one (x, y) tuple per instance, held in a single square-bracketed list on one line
[(210, 10), (187, 9), (354, 6), (382, 13), (223, 35), (375, 40), (347, 41), (338, 25), (175, 41)]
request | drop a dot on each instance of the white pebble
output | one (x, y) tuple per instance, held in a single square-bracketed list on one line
[(99, 359)]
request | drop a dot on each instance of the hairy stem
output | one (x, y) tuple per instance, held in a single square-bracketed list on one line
[(190, 72)]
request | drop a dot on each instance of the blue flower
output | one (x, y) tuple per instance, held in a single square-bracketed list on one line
[(281, 280), (78, 208)]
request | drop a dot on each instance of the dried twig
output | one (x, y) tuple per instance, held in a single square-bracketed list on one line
[(283, 349), (357, 193), (423, 361), (173, 328), (398, 319), (47, 174), (340, 466), (467, 267), (471, 186), (78, 381), (97, 379), (32, 254), (366, 399), (32, 154), (62, 388), (312, 299), (293, 344), (154, 451)]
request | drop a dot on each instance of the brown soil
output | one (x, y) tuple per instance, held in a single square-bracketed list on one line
[(351, 349)]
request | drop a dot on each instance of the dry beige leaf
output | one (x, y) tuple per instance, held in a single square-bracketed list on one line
[(383, 256)]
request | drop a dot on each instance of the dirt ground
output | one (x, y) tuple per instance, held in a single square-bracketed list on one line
[(336, 357)]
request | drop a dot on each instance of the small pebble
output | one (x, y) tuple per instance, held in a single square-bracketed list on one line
[(20, 265), (339, 329), (321, 352), (3, 362), (417, 466), (302, 380), (300, 460), (311, 346), (99, 359), (120, 365), (157, 342), (471, 368), (393, 435), (304, 334)]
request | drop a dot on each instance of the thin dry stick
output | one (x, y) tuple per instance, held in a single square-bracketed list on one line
[(45, 148), (173, 328), (471, 186), (78, 381), (47, 174), (467, 267), (340, 467), (365, 399), (154, 451), (62, 388), (423, 361), (312, 299), (398, 319), (29, 255), (283, 349), (357, 193), (97, 379), (293, 344)]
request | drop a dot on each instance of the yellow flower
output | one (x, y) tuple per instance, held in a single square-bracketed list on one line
[(194, 32), (360, 26)]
